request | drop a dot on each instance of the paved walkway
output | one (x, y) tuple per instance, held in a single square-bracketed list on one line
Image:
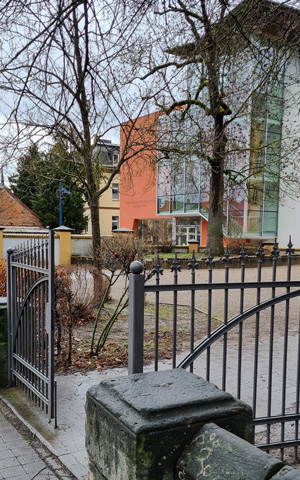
[(21, 461), (67, 442)]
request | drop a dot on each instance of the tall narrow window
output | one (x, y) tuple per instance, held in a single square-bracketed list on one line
[(114, 222), (115, 191), (264, 165)]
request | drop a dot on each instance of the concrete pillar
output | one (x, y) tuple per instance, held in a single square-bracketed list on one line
[(193, 247), (64, 245), (138, 426)]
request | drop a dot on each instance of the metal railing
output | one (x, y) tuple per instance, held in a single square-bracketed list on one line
[(245, 338), (31, 321)]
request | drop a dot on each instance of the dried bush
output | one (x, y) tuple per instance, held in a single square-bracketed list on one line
[(235, 245), (63, 315), (116, 254), (3, 277), (75, 302), (157, 233)]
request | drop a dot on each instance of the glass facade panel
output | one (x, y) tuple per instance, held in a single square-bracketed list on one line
[(179, 185), (265, 151)]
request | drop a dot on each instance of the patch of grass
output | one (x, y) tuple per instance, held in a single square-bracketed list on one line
[(172, 256), (164, 310)]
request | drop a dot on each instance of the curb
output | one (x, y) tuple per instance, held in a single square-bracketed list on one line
[(35, 440)]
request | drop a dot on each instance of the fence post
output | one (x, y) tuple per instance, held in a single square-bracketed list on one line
[(9, 293), (64, 244), (1, 243), (136, 318)]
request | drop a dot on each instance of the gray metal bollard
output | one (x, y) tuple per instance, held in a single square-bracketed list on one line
[(136, 318)]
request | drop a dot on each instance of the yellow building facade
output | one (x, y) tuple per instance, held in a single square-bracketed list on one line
[(109, 209)]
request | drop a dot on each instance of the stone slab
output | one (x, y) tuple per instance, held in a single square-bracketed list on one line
[(138, 426), (215, 454), (148, 401)]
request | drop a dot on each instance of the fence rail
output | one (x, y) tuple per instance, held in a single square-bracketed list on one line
[(31, 320), (246, 339)]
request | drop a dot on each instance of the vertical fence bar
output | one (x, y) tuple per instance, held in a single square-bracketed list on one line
[(176, 267), (297, 410), (260, 256), (136, 318), (51, 390), (9, 317), (157, 270), (275, 255), (243, 258), (226, 260), (192, 265), (289, 251), (209, 263)]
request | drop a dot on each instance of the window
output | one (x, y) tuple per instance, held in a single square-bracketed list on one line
[(115, 191), (265, 155), (114, 223)]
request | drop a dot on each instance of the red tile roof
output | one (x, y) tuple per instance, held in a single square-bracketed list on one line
[(13, 212)]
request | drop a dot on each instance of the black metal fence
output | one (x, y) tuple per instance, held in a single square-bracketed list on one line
[(243, 335), (30, 293)]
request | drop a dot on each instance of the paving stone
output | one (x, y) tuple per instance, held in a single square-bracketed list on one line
[(13, 471), (19, 461)]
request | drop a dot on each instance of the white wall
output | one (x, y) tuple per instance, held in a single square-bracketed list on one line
[(289, 208), (81, 245), (13, 240)]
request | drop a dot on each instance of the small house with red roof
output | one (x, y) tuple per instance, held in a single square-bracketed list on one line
[(13, 212)]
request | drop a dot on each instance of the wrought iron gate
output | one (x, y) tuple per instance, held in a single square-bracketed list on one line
[(30, 279), (244, 335)]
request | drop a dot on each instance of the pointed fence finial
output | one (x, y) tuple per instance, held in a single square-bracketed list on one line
[(290, 250), (275, 252), (260, 254), (243, 256), (226, 259), (193, 264), (210, 260), (157, 269), (175, 267)]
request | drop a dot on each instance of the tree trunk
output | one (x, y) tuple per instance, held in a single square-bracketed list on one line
[(96, 239), (215, 219)]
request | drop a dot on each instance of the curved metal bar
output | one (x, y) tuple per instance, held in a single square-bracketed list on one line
[(219, 332), (38, 282)]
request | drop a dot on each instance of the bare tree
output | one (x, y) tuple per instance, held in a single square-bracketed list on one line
[(218, 67), (60, 77)]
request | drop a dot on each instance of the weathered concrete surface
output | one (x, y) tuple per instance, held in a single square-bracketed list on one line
[(138, 426), (215, 454), (287, 473)]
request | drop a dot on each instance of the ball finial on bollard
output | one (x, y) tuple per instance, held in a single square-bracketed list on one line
[(136, 267)]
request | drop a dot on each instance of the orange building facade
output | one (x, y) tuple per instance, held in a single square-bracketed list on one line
[(139, 199)]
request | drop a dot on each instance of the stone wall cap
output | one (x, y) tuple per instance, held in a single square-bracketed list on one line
[(162, 399), (62, 228)]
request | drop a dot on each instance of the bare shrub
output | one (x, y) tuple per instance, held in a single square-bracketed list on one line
[(75, 302), (157, 233), (3, 275), (116, 255)]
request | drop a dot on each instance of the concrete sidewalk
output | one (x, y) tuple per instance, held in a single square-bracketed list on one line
[(67, 442), (21, 456)]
